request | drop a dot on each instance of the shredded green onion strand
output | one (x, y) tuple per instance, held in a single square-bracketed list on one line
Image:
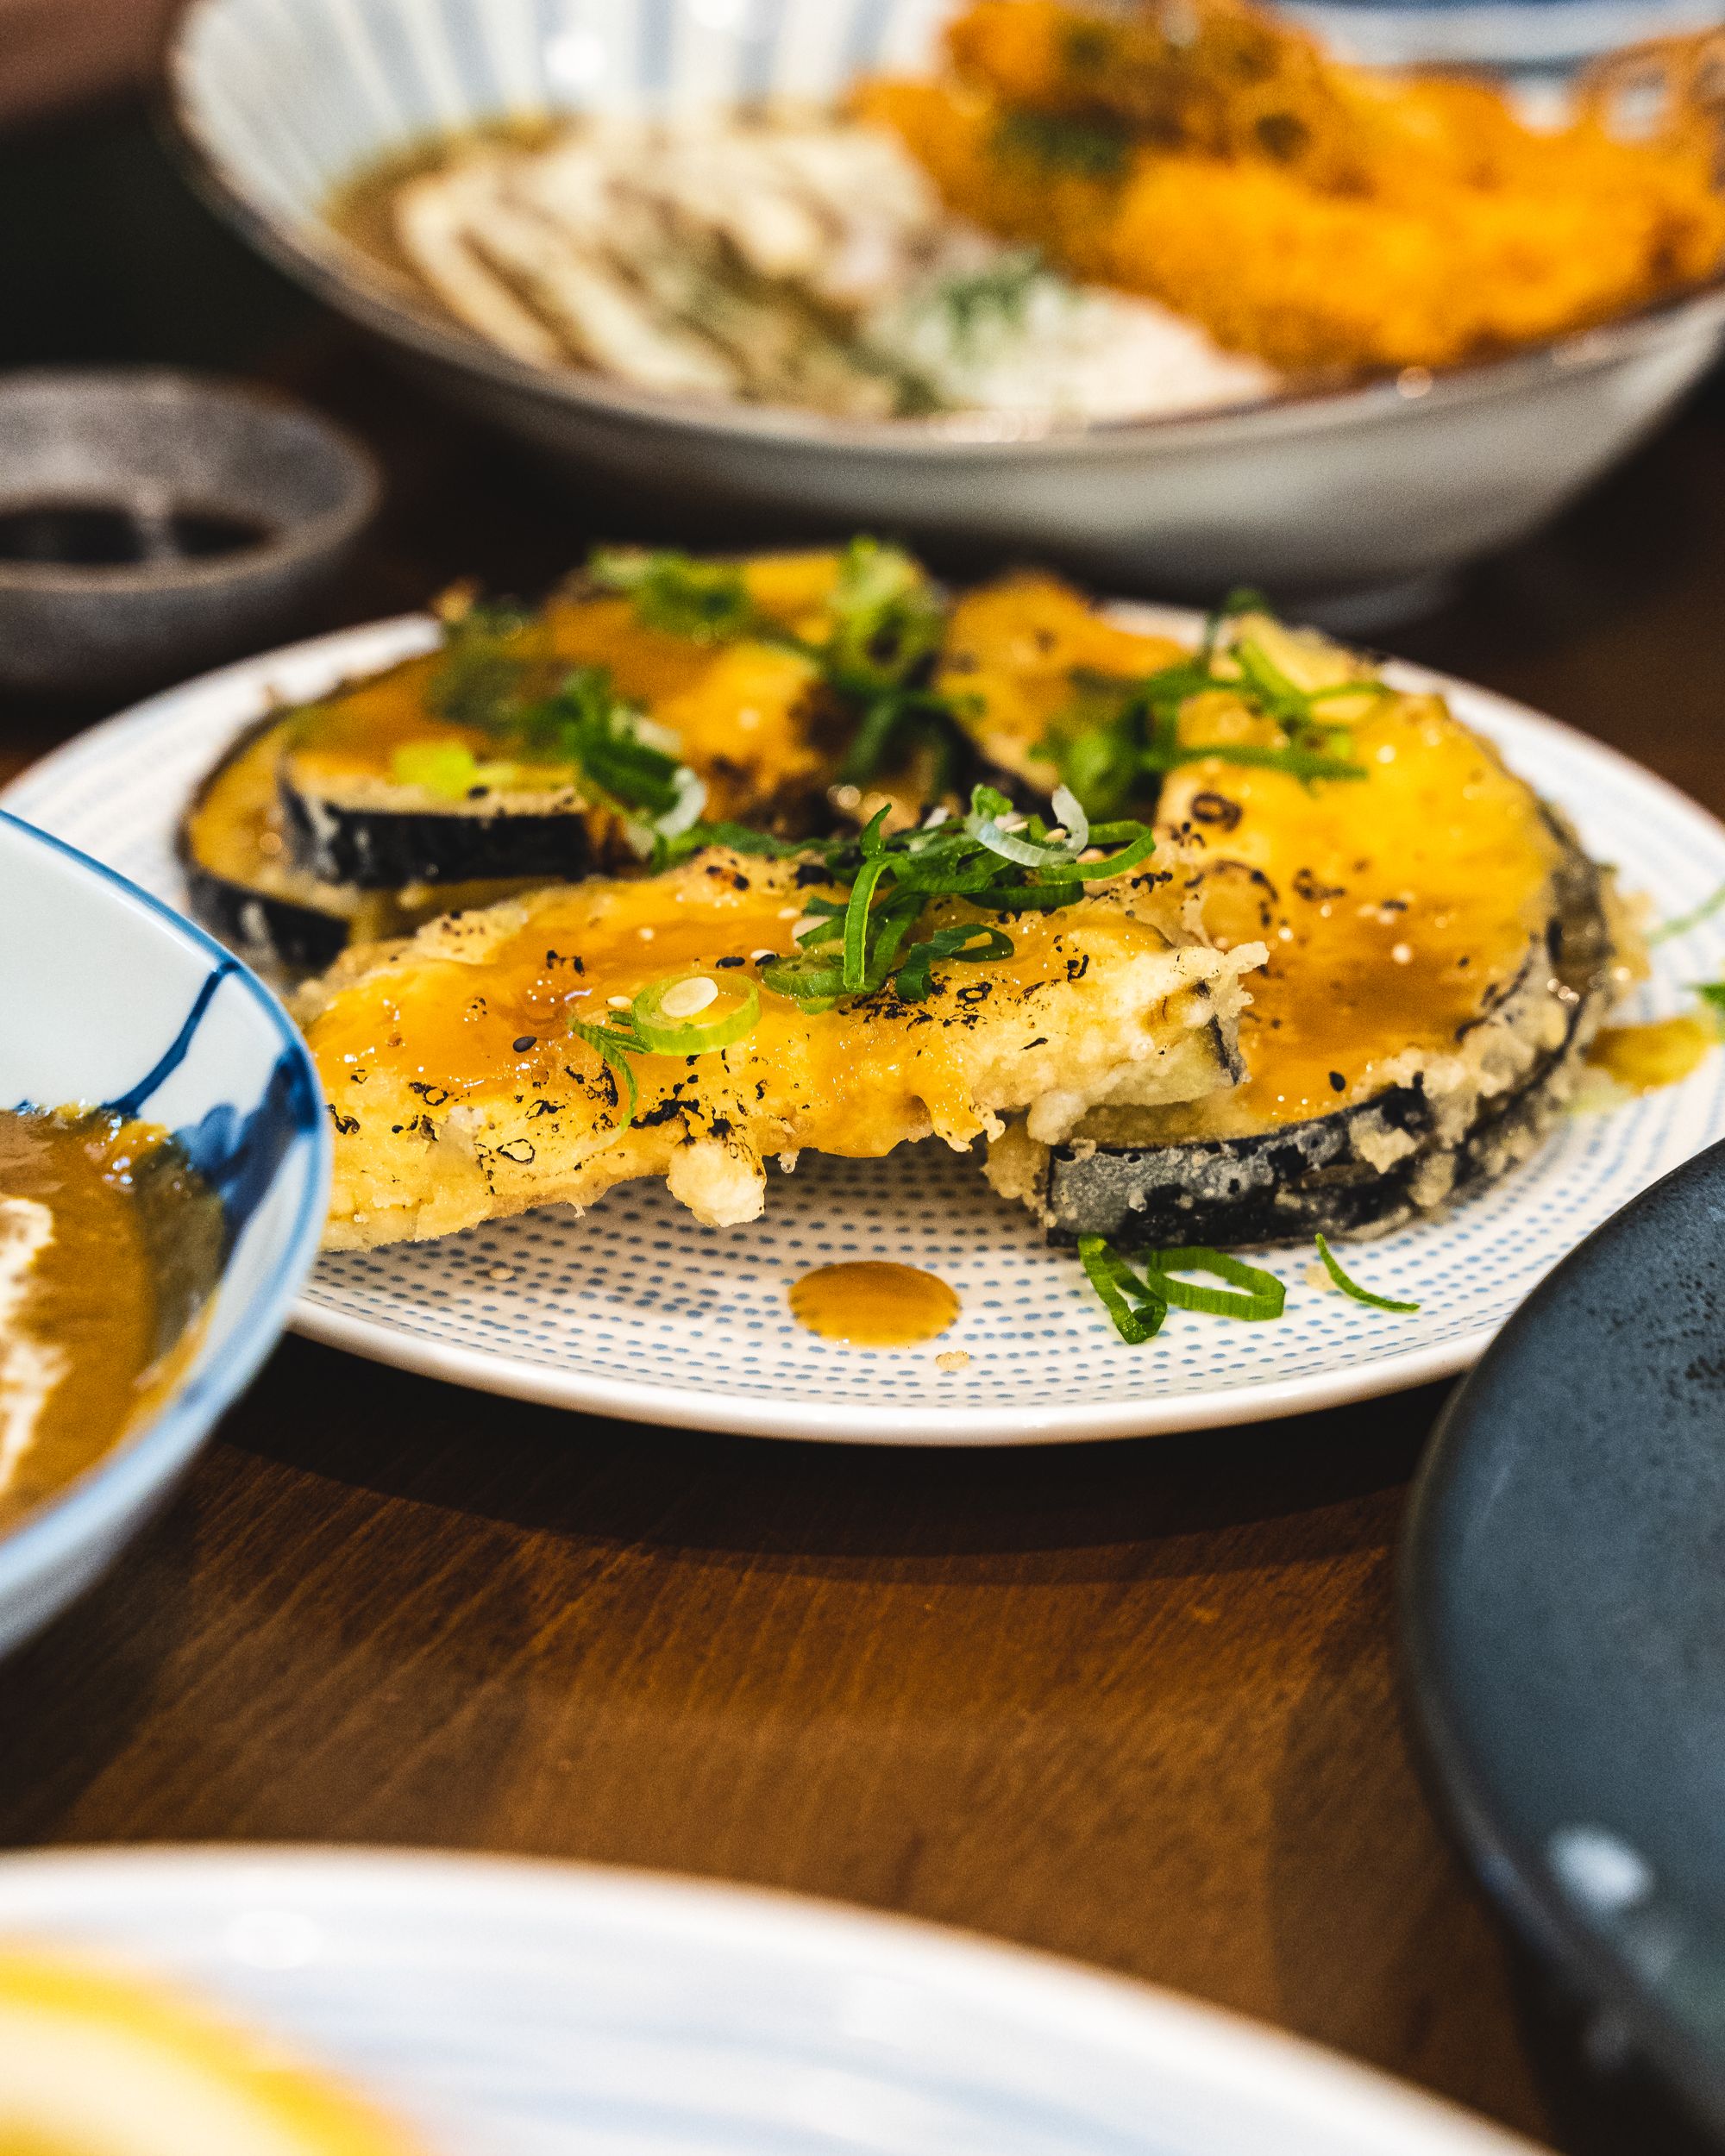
[(1262, 1294), (1137, 1304), (1136, 1320), (1712, 994), (615, 1046), (1353, 1287), (1683, 921), (661, 1034)]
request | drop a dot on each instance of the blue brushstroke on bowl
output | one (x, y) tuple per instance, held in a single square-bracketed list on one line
[(235, 1155)]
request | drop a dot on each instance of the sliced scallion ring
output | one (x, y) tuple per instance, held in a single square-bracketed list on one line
[(1071, 811), (673, 1017), (686, 812)]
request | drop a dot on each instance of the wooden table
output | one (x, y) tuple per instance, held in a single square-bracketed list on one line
[(1133, 1702)]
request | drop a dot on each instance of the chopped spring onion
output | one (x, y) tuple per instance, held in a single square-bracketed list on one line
[(1712, 994), (614, 1044), (442, 767), (676, 1018), (1263, 1296), (1137, 1314), (660, 1022), (1682, 923), (1353, 1287), (1137, 1304)]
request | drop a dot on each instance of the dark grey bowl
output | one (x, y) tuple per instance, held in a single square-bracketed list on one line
[(158, 445)]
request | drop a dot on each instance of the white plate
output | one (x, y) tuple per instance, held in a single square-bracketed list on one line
[(636, 1310), (510, 2008)]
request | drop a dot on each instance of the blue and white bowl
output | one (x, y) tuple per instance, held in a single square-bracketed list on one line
[(112, 1000), (279, 105)]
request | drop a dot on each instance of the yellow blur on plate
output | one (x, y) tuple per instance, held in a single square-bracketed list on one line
[(96, 2062)]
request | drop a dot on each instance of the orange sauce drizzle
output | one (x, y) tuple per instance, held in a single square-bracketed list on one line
[(1663, 1052), (874, 1304)]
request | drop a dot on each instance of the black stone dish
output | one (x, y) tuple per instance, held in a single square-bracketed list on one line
[(236, 507), (1562, 1609)]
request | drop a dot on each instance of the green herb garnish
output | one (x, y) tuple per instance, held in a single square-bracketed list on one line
[(1683, 921), (1353, 1287), (1712, 994), (497, 679), (1119, 731), (648, 1028), (999, 861), (886, 622), (679, 593), (615, 1043), (997, 295), (1137, 1302)]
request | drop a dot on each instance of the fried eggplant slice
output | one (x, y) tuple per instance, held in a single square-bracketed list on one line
[(243, 885), (495, 756), (459, 1094), (1015, 659), (1442, 951)]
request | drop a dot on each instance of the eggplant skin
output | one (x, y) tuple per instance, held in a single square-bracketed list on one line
[(1373, 1167), (272, 935), (377, 848), (276, 933)]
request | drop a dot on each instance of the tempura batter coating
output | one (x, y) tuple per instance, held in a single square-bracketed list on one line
[(459, 1094)]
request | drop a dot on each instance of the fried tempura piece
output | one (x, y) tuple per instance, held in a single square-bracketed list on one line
[(1317, 216), (460, 1094)]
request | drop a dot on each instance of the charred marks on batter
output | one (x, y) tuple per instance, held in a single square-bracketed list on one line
[(1308, 887), (346, 1125), (1217, 808)]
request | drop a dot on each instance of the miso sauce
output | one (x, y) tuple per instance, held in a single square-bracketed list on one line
[(874, 1304), (108, 1246), (1642, 1058)]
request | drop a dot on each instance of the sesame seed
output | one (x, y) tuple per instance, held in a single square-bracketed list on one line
[(688, 996), (618, 1003)]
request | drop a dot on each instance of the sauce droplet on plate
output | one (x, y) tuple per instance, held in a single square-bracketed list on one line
[(1662, 1053), (874, 1304)]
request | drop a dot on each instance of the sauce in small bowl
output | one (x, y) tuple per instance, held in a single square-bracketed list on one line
[(110, 1246)]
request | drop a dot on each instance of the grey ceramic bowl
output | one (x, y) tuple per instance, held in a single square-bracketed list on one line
[(1381, 485), (186, 461)]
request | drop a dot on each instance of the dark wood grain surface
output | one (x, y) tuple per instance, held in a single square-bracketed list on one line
[(1136, 1702)]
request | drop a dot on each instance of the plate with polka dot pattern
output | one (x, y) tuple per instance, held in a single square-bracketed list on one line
[(635, 1309)]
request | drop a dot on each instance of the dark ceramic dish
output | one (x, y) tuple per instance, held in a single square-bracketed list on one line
[(153, 522), (1563, 1586)]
